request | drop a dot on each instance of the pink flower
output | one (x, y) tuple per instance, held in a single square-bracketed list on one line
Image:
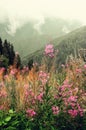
[(72, 105), (56, 97), (30, 113), (2, 69), (26, 86), (25, 68), (81, 111), (2, 84), (78, 70), (6, 76), (55, 110), (66, 65), (39, 97), (33, 101), (73, 113), (66, 82), (13, 71), (85, 66), (3, 94), (72, 99), (1, 107), (43, 77), (49, 50)]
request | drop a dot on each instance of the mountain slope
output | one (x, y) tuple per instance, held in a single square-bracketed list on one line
[(67, 45)]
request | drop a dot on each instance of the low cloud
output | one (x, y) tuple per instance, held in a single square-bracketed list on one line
[(19, 12)]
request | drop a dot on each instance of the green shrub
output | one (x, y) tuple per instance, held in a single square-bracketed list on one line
[(3, 61)]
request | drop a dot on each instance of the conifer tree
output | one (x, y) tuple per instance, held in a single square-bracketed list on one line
[(11, 55), (1, 46), (17, 60), (5, 49), (8, 52)]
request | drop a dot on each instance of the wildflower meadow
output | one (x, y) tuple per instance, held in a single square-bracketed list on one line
[(44, 98)]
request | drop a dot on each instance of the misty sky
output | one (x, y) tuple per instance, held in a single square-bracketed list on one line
[(18, 12)]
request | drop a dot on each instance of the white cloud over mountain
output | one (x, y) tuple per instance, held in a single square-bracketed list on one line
[(19, 12)]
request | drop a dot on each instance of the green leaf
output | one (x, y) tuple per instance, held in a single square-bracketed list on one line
[(15, 123), (10, 128), (52, 128), (8, 118), (11, 111), (0, 123)]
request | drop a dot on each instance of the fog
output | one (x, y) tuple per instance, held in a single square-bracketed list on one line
[(19, 12)]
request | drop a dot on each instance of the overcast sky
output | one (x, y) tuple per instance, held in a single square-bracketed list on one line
[(20, 11)]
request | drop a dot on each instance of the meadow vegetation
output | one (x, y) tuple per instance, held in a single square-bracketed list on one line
[(44, 98)]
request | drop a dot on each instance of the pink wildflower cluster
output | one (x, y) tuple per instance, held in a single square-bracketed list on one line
[(49, 50), (29, 95), (43, 77), (26, 91), (78, 71), (25, 69), (40, 97), (74, 112), (72, 99), (2, 70), (80, 110), (30, 113), (66, 92), (13, 72), (55, 110), (3, 94), (66, 87)]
